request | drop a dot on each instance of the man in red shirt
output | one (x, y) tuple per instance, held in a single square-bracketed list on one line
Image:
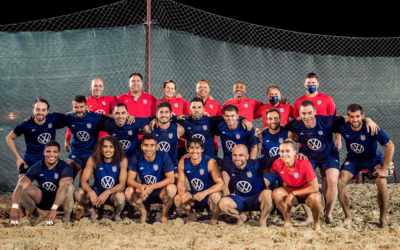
[(246, 107), (302, 184), (274, 97), (96, 103)]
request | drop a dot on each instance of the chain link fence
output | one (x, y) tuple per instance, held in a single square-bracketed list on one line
[(57, 58)]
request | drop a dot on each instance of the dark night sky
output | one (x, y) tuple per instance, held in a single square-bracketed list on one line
[(330, 18)]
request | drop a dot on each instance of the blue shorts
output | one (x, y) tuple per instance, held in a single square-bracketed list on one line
[(47, 200), (29, 163), (153, 199), (201, 204), (108, 201), (303, 200), (332, 162), (274, 180), (245, 204), (80, 159), (354, 166)]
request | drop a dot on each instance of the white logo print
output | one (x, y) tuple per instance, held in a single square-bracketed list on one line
[(83, 135), (197, 184), (273, 151), (230, 145), (125, 144), (243, 186), (150, 179), (49, 186), (107, 182), (206, 114), (199, 136), (357, 148), (44, 138), (314, 144), (164, 146), (100, 111)]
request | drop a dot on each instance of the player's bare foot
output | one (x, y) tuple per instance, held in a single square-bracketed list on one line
[(241, 219), (263, 223), (347, 221), (317, 227), (382, 223), (191, 218), (309, 220), (287, 224), (328, 219), (93, 215), (66, 218), (143, 217), (37, 220), (164, 220), (117, 218)]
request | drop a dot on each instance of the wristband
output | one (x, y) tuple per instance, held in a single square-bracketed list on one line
[(55, 207), (14, 206)]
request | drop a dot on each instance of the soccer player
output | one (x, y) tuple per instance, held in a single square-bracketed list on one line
[(55, 188), (302, 184), (323, 104), (315, 134), (246, 106), (109, 166), (205, 181), (96, 103), (37, 133), (168, 133), (274, 97), (156, 173), (247, 179), (362, 153)]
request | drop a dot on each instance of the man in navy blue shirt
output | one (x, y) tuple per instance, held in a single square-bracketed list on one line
[(37, 133), (55, 188), (362, 153), (156, 173)]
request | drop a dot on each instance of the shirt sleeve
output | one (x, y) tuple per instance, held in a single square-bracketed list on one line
[(68, 135), (167, 163), (66, 171), (155, 107), (275, 166), (308, 170), (154, 101), (337, 122), (290, 125), (20, 128), (103, 119), (215, 120), (219, 110), (331, 107), (251, 138), (186, 108), (257, 104), (258, 112), (133, 165), (33, 172), (57, 118), (112, 100), (142, 121), (382, 137), (296, 109), (266, 162), (291, 110)]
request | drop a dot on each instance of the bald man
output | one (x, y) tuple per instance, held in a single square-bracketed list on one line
[(96, 103), (247, 179)]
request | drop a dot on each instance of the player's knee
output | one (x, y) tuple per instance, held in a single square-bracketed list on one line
[(120, 197), (171, 190), (381, 182), (78, 194), (266, 195), (177, 201), (224, 204), (215, 197), (70, 189), (277, 194), (315, 198), (128, 192)]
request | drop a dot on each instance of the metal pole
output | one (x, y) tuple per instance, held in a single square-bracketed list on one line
[(149, 46)]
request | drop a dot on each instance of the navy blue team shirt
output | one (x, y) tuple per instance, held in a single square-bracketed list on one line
[(167, 140), (271, 143), (198, 176)]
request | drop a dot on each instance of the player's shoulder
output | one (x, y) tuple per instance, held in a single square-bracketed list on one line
[(123, 96), (300, 99), (148, 96), (62, 164), (109, 98), (324, 96), (304, 163), (213, 102)]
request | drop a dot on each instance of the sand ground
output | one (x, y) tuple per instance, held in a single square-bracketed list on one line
[(363, 233)]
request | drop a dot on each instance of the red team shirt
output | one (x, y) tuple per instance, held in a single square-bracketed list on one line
[(101, 105), (324, 105), (245, 106), (286, 111), (301, 174), (211, 108), (178, 106)]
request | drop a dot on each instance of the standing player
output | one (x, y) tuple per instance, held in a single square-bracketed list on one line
[(156, 173), (55, 188), (37, 133), (109, 166), (315, 134), (205, 181), (302, 184), (246, 107), (362, 153), (274, 97), (96, 103), (247, 179)]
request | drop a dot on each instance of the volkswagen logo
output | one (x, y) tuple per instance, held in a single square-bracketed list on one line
[(83, 135), (150, 179), (230, 145), (49, 186), (125, 144), (273, 151), (314, 144), (100, 111), (44, 138), (197, 184), (243, 186), (164, 146), (107, 182), (200, 137), (357, 148)]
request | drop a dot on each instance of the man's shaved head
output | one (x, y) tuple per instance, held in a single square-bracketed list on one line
[(240, 155), (97, 87), (240, 148)]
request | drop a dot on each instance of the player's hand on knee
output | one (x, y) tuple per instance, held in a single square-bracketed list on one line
[(185, 197), (200, 196), (20, 161), (51, 217), (14, 217), (300, 156), (102, 198), (148, 190), (93, 197), (288, 200), (382, 173)]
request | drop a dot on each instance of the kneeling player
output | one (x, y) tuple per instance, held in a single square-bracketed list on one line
[(247, 179), (55, 189), (205, 181), (302, 184), (109, 166), (156, 173)]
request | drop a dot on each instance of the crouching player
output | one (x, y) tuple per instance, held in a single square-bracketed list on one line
[(55, 188), (109, 166), (205, 181), (156, 173), (247, 179), (302, 184)]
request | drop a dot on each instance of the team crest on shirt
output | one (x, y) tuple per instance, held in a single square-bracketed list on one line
[(346, 163), (296, 175), (205, 127), (50, 125), (126, 101), (249, 174), (211, 106), (201, 171), (114, 168), (73, 156), (362, 137), (130, 132), (25, 166), (280, 140), (319, 102), (170, 135), (238, 136), (33, 130), (144, 101), (56, 176), (176, 105), (88, 125), (282, 110), (103, 102), (320, 132), (246, 105), (155, 167)]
